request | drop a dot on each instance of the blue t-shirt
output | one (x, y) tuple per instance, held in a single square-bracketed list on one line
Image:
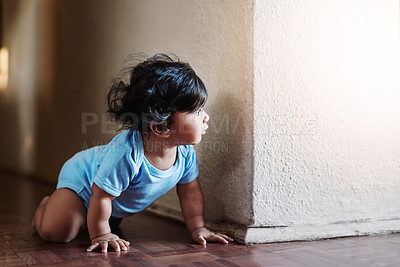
[(121, 169)]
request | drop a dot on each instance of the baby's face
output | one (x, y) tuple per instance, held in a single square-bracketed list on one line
[(188, 128)]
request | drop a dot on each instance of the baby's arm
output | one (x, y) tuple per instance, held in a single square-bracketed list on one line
[(99, 213), (192, 205)]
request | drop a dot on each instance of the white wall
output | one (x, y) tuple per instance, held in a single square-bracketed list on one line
[(327, 119)]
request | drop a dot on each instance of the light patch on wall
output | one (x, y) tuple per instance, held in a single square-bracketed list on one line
[(361, 64), (3, 69), (27, 148), (382, 69), (376, 71)]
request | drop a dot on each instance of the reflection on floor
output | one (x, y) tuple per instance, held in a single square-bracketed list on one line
[(157, 242)]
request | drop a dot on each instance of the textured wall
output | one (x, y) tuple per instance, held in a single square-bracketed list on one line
[(327, 119)]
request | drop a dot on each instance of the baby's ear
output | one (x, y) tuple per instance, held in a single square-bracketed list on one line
[(160, 130)]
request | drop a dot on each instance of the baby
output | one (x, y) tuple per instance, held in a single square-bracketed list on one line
[(161, 110)]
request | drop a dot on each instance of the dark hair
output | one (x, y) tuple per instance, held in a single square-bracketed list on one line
[(158, 87)]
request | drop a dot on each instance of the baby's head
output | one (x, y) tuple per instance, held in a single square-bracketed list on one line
[(158, 87)]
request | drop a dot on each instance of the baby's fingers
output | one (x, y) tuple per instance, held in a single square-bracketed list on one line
[(126, 243), (104, 246), (217, 238), (122, 245), (200, 239), (226, 237), (92, 247), (115, 245)]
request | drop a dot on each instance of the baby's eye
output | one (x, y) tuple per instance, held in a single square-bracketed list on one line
[(199, 111)]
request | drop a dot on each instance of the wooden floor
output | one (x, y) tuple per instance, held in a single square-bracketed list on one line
[(157, 242)]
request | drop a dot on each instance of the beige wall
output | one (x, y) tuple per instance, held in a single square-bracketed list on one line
[(69, 50)]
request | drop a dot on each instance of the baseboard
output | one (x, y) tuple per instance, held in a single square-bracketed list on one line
[(309, 232), (26, 175), (306, 232)]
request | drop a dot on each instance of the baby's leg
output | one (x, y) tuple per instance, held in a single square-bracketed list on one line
[(60, 216)]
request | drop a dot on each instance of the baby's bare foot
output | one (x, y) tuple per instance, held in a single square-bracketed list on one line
[(43, 202)]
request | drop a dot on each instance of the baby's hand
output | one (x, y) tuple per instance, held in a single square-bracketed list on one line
[(202, 235), (117, 243)]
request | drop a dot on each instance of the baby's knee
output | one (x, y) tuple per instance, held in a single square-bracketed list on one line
[(53, 236), (57, 234)]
